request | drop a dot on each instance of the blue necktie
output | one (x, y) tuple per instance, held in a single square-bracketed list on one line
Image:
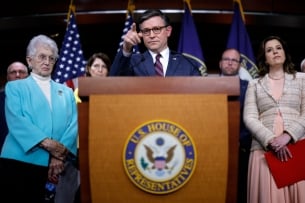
[(158, 66)]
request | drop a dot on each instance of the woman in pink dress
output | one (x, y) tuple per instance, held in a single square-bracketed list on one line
[(274, 112)]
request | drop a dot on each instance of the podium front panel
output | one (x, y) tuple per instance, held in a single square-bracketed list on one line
[(112, 118)]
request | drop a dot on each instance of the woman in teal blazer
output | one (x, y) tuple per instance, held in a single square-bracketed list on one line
[(42, 121)]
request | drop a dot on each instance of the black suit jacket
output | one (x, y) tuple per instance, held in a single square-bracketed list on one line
[(244, 136)]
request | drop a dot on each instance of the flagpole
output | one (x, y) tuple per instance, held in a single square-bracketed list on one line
[(71, 9), (241, 9), (188, 2), (128, 22), (130, 7)]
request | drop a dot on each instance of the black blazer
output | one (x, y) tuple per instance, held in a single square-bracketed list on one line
[(244, 136)]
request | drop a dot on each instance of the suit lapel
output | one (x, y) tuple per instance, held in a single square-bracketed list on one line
[(287, 83), (265, 85), (57, 96), (173, 63), (148, 64)]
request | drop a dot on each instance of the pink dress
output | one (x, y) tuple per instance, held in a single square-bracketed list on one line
[(261, 185)]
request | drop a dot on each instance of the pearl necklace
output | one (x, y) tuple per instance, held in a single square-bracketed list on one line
[(272, 78)]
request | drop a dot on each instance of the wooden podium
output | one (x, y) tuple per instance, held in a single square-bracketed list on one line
[(112, 107)]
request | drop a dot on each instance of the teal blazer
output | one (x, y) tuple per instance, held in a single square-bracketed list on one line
[(30, 119)]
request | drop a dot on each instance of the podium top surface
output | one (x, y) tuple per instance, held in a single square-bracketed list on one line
[(159, 85)]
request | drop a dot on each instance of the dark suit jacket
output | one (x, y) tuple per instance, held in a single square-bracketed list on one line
[(142, 65), (244, 136), (3, 125)]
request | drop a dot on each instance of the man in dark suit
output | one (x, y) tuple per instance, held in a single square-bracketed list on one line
[(155, 29), (15, 71), (229, 65)]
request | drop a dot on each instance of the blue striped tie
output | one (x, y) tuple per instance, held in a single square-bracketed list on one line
[(158, 66)]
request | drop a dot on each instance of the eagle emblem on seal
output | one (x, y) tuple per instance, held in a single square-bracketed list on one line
[(159, 161)]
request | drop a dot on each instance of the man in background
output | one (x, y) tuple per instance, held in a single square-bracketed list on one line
[(15, 71), (229, 65)]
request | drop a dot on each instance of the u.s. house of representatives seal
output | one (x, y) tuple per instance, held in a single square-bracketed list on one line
[(159, 157)]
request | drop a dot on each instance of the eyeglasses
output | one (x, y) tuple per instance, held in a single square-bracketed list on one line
[(42, 57), (156, 30), (20, 72), (227, 60)]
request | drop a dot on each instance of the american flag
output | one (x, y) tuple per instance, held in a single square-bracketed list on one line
[(71, 63), (127, 26)]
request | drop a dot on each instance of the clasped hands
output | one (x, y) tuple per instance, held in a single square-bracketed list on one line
[(56, 167), (59, 153), (279, 146), (56, 149)]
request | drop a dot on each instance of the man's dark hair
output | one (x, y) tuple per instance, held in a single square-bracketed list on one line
[(152, 13)]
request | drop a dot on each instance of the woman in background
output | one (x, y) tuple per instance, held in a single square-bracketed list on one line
[(98, 65)]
